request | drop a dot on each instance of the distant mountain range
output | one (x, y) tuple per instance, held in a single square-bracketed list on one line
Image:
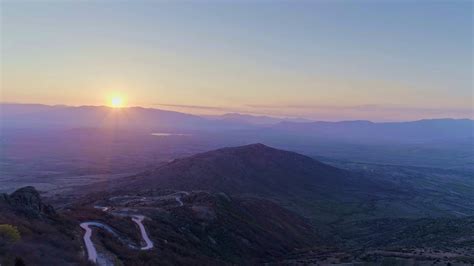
[(442, 143), (31, 116), (66, 117), (256, 119), (421, 130)]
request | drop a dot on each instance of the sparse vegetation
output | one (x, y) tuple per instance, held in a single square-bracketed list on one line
[(9, 234)]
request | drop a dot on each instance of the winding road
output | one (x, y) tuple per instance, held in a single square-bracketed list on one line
[(138, 219), (91, 250), (178, 197)]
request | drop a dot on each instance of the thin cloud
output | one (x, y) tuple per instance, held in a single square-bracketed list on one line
[(306, 106), (201, 107), (365, 107)]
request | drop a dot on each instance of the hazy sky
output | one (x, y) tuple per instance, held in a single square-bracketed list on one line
[(331, 60)]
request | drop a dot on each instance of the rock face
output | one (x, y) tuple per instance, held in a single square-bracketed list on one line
[(27, 200)]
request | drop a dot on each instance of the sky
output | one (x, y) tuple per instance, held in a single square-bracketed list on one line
[(324, 60)]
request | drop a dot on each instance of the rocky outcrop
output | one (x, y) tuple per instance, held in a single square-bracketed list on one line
[(28, 201)]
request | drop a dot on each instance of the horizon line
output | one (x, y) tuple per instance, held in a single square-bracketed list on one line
[(283, 118)]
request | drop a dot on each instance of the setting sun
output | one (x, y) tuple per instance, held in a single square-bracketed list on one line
[(116, 102)]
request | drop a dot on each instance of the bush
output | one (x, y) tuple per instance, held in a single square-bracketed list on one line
[(9, 233)]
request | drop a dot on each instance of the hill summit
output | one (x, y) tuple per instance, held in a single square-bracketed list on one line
[(252, 169)]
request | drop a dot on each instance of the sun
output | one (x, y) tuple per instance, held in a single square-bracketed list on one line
[(116, 102)]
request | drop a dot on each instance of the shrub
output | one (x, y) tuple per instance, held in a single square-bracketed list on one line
[(9, 233)]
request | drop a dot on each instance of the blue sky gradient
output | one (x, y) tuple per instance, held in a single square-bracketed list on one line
[(316, 59)]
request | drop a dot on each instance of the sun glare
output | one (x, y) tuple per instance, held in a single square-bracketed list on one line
[(116, 102)]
